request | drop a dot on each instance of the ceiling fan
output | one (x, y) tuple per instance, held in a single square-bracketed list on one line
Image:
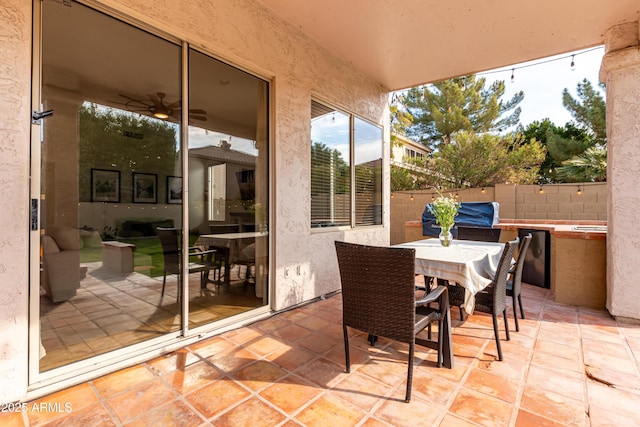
[(156, 106)]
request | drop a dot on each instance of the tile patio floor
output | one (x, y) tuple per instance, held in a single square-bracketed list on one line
[(567, 366)]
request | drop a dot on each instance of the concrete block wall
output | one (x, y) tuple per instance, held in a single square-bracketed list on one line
[(555, 202)]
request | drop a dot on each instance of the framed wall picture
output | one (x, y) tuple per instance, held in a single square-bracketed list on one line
[(174, 189), (105, 185), (145, 188)]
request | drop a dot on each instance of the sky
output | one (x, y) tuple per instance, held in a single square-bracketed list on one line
[(543, 81)]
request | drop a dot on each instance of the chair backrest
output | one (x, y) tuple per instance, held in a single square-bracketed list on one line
[(378, 289), (522, 252), (170, 249), (479, 234), (499, 283)]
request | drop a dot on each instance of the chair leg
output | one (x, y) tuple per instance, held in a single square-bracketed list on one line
[(520, 304), (372, 339), (506, 324), (497, 335), (515, 315), (346, 348), (440, 340), (461, 312), (164, 282), (412, 345)]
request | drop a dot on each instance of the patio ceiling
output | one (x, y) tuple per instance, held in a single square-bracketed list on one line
[(410, 42)]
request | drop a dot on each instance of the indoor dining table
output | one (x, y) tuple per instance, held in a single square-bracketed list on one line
[(469, 264)]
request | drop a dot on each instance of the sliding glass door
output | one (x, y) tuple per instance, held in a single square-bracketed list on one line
[(115, 235)]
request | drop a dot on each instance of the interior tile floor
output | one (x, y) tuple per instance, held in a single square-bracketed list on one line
[(112, 310), (568, 366)]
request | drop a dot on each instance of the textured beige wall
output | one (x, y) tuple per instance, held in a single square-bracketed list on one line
[(621, 72), (15, 88), (556, 202)]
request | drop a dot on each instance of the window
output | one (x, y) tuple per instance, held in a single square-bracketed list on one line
[(346, 169)]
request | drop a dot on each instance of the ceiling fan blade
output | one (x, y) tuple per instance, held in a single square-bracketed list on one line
[(156, 98), (174, 105), (197, 111), (201, 118)]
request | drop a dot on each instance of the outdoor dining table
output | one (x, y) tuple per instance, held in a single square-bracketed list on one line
[(469, 264)]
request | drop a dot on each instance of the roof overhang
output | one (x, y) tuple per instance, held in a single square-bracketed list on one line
[(406, 43)]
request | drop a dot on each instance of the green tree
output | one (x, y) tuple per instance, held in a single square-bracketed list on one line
[(561, 142), (589, 166), (478, 160), (589, 111), (441, 109)]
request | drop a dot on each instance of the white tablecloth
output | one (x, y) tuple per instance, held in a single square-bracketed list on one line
[(470, 264)]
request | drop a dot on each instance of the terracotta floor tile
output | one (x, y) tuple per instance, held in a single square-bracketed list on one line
[(527, 419), (216, 397), (313, 323), (399, 413), (94, 415), (175, 413), (555, 362), (290, 393), (212, 346), (264, 345), (361, 390), (453, 421), (554, 406), (291, 332), (232, 359), (329, 410), (494, 385), (11, 419), (374, 422), (258, 375), (430, 385), (245, 415), (481, 409), (617, 401), (319, 342), (603, 416), (322, 372), (291, 358), (139, 400), (191, 377), (509, 367), (69, 400), (124, 379), (566, 383), (617, 379), (172, 361)]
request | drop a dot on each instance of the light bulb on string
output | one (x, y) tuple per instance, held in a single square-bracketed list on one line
[(573, 63), (513, 75)]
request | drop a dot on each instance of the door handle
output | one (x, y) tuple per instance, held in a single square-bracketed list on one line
[(38, 115)]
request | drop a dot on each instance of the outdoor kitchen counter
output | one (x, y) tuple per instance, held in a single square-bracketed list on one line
[(577, 261), (566, 229)]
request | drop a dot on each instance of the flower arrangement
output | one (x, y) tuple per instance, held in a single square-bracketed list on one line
[(444, 209)]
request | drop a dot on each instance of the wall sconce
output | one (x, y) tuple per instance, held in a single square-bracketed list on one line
[(579, 192), (457, 195), (432, 197), (411, 198), (541, 190), (483, 190)]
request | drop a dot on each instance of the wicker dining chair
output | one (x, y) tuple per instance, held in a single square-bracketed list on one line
[(514, 284), (493, 298), (479, 234), (378, 297)]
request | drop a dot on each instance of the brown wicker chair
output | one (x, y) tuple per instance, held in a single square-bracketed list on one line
[(479, 234), (169, 238), (514, 283), (378, 297), (493, 298)]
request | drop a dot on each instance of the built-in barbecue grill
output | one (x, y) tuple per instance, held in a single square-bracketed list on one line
[(470, 214)]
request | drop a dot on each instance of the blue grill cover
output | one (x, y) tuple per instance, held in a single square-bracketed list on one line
[(470, 214)]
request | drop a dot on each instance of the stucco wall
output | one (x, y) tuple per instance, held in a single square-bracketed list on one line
[(556, 202), (15, 68), (244, 34)]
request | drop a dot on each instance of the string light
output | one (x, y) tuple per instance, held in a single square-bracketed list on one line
[(541, 190), (573, 63), (483, 190), (411, 198), (579, 192), (457, 195), (513, 75), (433, 197), (392, 195)]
